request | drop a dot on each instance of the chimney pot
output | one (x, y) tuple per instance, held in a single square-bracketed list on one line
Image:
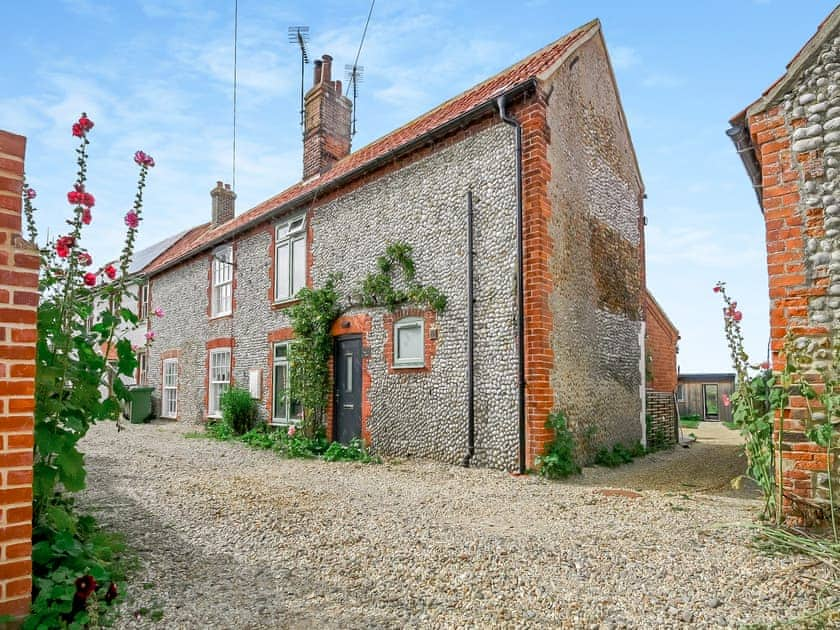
[(338, 87), (326, 69), (318, 63)]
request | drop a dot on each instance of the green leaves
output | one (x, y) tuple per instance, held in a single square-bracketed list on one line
[(559, 459), (378, 289)]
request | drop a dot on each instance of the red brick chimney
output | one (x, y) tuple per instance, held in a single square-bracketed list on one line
[(222, 206), (326, 131)]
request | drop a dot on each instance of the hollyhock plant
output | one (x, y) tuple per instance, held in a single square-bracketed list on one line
[(143, 159), (80, 323), (150, 335)]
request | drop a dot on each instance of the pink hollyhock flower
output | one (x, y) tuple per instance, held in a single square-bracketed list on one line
[(150, 335), (88, 200), (61, 251), (87, 217), (144, 159), (737, 315), (77, 130), (90, 279), (725, 400), (75, 197), (63, 245), (292, 430), (765, 365), (716, 289), (158, 312), (110, 271), (85, 259), (131, 219), (30, 193)]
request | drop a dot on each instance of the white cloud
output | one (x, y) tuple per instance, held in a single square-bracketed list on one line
[(624, 57)]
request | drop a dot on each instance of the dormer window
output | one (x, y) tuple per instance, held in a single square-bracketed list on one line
[(289, 258), (222, 279)]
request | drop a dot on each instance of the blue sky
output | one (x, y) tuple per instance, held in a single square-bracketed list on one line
[(157, 75)]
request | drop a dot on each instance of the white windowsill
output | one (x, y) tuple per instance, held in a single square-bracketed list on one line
[(219, 315), (409, 364)]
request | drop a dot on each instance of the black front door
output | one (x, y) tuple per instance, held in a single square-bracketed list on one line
[(348, 389)]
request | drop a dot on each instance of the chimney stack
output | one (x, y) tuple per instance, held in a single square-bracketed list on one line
[(222, 206), (326, 131)]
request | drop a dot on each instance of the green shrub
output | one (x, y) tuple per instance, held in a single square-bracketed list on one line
[(355, 451), (239, 410), (619, 454), (559, 459), (220, 430)]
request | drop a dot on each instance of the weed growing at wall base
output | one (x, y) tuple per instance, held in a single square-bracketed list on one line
[(559, 459)]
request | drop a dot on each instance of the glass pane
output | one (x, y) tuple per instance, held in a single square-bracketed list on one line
[(282, 271), (348, 372), (409, 343), (298, 265), (280, 351), (280, 378)]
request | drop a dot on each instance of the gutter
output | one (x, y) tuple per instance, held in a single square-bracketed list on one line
[(430, 136), (470, 336), (520, 289), (740, 137)]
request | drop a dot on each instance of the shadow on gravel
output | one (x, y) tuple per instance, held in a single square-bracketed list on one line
[(165, 550)]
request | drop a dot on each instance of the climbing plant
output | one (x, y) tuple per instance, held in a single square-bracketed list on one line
[(378, 288), (312, 317)]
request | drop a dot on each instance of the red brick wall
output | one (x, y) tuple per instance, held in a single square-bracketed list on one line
[(789, 225), (661, 346), (18, 304)]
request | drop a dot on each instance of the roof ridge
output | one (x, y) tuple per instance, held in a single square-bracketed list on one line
[(463, 103)]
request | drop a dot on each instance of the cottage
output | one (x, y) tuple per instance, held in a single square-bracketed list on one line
[(522, 200), (706, 396), (789, 142)]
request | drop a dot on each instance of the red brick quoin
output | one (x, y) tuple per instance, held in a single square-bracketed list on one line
[(18, 305)]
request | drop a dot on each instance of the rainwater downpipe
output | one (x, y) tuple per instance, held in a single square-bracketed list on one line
[(470, 336), (520, 289)]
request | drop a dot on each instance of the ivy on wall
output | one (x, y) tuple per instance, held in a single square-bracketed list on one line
[(378, 288)]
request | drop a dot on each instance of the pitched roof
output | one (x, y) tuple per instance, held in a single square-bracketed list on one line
[(801, 59), (538, 65), (145, 256)]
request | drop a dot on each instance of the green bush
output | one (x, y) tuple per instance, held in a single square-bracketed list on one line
[(619, 454), (239, 410), (220, 430), (559, 459), (355, 451)]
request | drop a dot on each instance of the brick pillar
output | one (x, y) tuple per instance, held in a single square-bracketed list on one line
[(18, 305), (799, 279)]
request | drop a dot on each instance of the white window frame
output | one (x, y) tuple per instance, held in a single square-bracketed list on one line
[(215, 386), (281, 363), (222, 282), (169, 385), (287, 234), (410, 362), (144, 301)]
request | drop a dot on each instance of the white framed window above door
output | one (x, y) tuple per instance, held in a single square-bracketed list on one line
[(222, 281), (289, 258)]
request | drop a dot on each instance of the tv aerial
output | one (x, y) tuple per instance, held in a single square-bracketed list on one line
[(355, 75), (299, 35)]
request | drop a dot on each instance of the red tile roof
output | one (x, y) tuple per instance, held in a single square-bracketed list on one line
[(530, 67)]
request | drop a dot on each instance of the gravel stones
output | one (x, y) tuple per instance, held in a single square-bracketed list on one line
[(231, 537)]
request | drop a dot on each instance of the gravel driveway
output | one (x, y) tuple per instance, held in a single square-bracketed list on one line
[(230, 537)]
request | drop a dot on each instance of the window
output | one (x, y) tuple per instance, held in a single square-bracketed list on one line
[(170, 389), (219, 380), (142, 366), (408, 343), (143, 309), (285, 410), (289, 259), (681, 392), (222, 294)]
